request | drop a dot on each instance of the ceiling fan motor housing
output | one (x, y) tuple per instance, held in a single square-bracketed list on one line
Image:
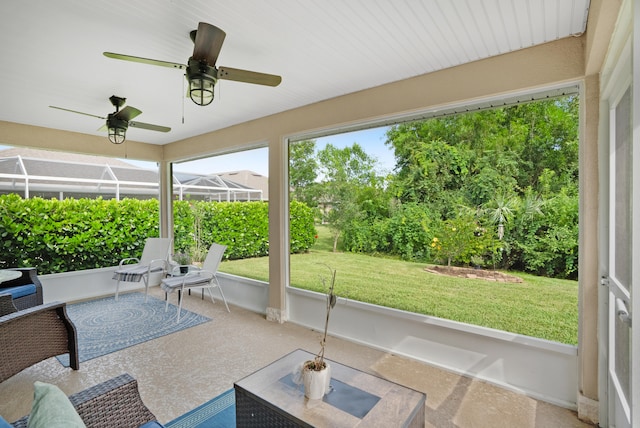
[(202, 79), (117, 101)]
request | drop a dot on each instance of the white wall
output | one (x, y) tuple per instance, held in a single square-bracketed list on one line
[(92, 283), (85, 284), (542, 369), (539, 368)]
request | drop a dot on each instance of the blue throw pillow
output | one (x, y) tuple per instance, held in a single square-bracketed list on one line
[(4, 423), (52, 409)]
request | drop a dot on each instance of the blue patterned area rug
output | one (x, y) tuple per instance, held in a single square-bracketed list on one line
[(217, 413), (105, 326)]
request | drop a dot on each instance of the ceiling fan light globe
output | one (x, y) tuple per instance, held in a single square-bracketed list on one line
[(201, 91), (117, 129), (202, 80), (117, 135)]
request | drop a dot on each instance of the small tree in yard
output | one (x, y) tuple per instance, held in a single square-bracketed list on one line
[(344, 172), (303, 172)]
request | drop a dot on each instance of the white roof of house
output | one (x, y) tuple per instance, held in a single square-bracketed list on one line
[(30, 171)]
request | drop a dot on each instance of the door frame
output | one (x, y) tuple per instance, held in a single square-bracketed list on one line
[(619, 74)]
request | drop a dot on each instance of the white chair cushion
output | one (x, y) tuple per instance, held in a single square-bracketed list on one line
[(133, 273), (173, 283)]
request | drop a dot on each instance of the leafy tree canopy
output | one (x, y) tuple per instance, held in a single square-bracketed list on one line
[(509, 172), (479, 155)]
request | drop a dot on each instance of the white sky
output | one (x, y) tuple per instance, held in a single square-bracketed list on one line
[(256, 160)]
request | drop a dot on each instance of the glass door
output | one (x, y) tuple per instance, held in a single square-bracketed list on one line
[(620, 280)]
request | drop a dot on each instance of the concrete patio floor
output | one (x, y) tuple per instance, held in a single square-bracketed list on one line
[(180, 371)]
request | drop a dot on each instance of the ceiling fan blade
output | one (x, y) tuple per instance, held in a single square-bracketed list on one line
[(127, 113), (248, 76), (103, 128), (208, 43), (144, 60), (79, 112), (149, 126)]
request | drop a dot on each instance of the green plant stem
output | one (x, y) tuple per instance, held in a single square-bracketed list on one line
[(330, 304)]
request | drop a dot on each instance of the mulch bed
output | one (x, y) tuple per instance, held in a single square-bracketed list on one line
[(471, 273)]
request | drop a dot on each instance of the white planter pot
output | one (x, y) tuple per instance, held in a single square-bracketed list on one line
[(316, 383), (154, 279)]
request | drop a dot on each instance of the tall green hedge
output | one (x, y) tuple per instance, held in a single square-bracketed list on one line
[(77, 234), (242, 226)]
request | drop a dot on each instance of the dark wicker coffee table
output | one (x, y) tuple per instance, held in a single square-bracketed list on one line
[(269, 397)]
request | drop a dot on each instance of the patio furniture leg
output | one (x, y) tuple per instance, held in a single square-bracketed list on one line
[(221, 294), (180, 296), (145, 278), (117, 288)]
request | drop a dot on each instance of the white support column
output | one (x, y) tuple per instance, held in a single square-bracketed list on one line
[(278, 229), (166, 199)]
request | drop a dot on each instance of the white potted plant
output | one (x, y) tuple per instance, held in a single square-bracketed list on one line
[(316, 373)]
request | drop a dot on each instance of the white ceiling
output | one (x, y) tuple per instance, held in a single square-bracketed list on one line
[(52, 52)]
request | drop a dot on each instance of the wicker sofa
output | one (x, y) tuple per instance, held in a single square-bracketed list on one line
[(26, 290), (34, 334), (114, 403)]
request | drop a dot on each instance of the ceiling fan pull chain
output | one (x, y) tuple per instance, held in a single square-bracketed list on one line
[(182, 97)]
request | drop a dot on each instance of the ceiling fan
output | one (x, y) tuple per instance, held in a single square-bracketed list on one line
[(118, 122), (201, 71)]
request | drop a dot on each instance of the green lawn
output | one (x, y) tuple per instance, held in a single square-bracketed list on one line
[(540, 307)]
